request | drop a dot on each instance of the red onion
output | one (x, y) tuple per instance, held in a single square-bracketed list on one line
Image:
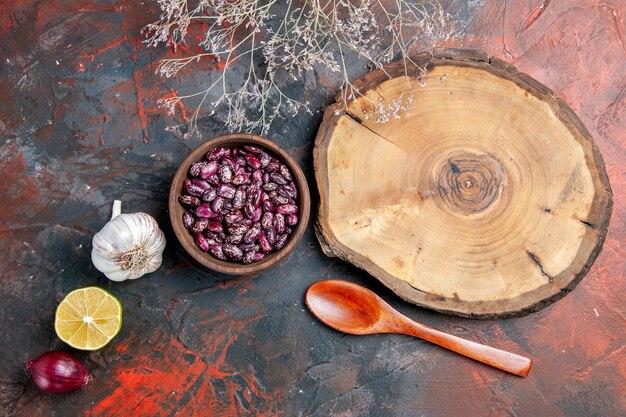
[(58, 372)]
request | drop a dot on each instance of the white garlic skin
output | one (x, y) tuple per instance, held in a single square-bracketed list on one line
[(127, 234)]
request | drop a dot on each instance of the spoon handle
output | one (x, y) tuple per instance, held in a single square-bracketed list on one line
[(507, 361)]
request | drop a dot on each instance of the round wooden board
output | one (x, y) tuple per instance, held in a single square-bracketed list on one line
[(487, 197)]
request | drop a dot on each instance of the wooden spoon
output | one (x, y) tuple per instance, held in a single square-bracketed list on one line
[(350, 308)]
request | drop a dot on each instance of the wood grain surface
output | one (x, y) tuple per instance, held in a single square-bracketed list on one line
[(485, 197)]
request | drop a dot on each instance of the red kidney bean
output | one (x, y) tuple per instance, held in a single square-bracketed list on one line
[(231, 163), (234, 152), (240, 179), (266, 178), (253, 149), (284, 171), (252, 190), (202, 242), (237, 229), (203, 184), (241, 161), (272, 194), (257, 176), (208, 170), (287, 209), (270, 233), (215, 227), (233, 217), (252, 234), (225, 174), (293, 187), (217, 153), (285, 191), (247, 222), (228, 206), (239, 198), (258, 212), (199, 225), (256, 198), (209, 195), (248, 257), (280, 200), (204, 210), (278, 179), (192, 189), (217, 250), (252, 161), (264, 159), (249, 209), (232, 251), (280, 241), (195, 168), (188, 219), (246, 247), (189, 200), (234, 239), (218, 204), (270, 186), (266, 246), (226, 191), (292, 219), (214, 180), (279, 223), (267, 220), (272, 167)]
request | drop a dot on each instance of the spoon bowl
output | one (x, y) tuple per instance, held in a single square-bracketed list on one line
[(344, 306), (353, 309)]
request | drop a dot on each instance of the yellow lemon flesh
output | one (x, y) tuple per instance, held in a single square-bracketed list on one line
[(88, 318)]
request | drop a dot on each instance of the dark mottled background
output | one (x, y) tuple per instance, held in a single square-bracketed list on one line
[(80, 127)]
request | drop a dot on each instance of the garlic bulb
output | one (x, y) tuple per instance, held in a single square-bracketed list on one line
[(128, 246)]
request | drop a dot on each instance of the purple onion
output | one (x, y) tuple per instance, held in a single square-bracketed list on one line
[(57, 372)]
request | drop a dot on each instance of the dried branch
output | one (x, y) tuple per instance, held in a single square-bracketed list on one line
[(290, 38)]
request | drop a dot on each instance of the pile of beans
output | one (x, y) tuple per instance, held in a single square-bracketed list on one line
[(241, 203)]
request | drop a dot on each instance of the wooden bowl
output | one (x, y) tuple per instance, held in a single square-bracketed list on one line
[(177, 210)]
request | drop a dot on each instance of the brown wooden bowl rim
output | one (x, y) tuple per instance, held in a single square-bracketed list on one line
[(176, 210)]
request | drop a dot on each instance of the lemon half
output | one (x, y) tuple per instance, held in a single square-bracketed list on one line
[(88, 318)]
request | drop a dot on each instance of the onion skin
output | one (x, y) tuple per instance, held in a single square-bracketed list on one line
[(57, 372)]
